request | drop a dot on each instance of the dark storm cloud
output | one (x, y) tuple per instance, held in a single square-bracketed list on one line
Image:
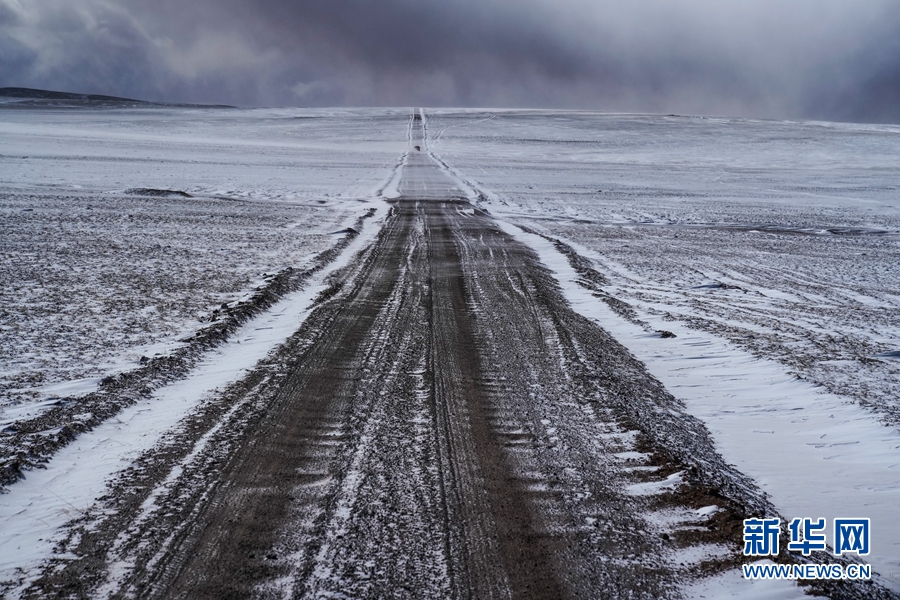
[(864, 84), (794, 58)]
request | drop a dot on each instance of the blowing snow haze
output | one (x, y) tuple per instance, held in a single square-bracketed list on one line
[(823, 59)]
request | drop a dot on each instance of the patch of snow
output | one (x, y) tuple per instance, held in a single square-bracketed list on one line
[(731, 584), (391, 189), (707, 511), (656, 487)]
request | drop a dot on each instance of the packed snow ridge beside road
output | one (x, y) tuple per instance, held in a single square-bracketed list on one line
[(442, 407)]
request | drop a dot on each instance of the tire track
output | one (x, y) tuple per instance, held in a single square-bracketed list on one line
[(443, 425)]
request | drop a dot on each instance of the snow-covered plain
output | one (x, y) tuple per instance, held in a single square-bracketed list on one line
[(783, 237), (771, 250), (96, 273), (33, 512)]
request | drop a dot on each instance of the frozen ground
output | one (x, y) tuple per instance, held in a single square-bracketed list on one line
[(770, 249), (429, 398), (98, 270), (782, 237)]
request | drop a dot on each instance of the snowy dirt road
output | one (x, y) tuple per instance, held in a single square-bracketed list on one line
[(443, 424)]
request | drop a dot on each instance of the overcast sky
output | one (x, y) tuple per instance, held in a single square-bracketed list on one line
[(831, 59)]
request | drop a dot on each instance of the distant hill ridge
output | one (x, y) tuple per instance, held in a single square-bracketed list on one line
[(29, 97)]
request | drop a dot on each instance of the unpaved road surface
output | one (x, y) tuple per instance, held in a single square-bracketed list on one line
[(442, 425)]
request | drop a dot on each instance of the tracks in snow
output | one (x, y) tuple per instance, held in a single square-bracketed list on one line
[(442, 425)]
